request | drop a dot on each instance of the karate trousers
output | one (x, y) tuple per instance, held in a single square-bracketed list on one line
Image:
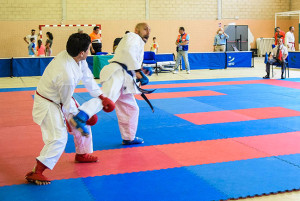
[(55, 137), (126, 107)]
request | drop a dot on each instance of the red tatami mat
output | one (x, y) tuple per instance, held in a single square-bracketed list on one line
[(180, 94), (199, 84), (16, 108), (275, 144), (238, 115), (157, 157), (282, 83)]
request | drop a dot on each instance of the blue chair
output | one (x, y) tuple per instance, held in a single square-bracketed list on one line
[(149, 58), (101, 53), (277, 64)]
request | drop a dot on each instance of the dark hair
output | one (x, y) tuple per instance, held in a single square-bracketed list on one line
[(31, 39), (77, 43), (277, 28), (181, 28), (95, 28), (154, 38), (32, 29), (126, 32), (39, 43), (291, 28), (50, 35)]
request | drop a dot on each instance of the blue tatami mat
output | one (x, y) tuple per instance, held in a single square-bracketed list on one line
[(67, 189), (250, 177), (170, 184)]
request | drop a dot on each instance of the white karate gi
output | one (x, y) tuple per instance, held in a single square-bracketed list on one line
[(290, 41), (58, 84), (119, 86)]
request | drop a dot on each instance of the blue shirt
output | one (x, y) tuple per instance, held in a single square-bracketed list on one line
[(220, 39), (30, 46)]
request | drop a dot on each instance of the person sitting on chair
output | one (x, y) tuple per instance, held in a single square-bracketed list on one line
[(278, 54)]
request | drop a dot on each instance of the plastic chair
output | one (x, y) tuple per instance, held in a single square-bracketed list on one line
[(277, 64), (149, 58)]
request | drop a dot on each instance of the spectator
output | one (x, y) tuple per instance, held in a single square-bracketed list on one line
[(49, 42), (117, 41), (279, 34), (278, 54), (33, 35), (154, 46), (290, 39), (182, 48), (96, 41), (220, 41), (31, 47), (41, 50)]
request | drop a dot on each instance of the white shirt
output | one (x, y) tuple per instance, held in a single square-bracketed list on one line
[(283, 50), (32, 36), (290, 39), (59, 82)]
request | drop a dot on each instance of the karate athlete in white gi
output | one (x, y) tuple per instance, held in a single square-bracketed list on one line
[(119, 86), (53, 103), (290, 39)]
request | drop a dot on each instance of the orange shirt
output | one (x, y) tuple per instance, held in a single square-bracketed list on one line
[(282, 33), (96, 38)]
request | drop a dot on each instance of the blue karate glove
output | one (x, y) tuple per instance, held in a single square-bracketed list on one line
[(144, 80), (148, 70)]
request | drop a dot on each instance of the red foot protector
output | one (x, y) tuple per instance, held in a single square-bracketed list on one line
[(238, 115), (33, 177), (85, 158), (181, 94), (37, 175)]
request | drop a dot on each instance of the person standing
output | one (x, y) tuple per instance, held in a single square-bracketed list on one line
[(32, 35), (220, 41), (54, 105), (182, 48), (119, 85), (290, 39), (279, 34), (41, 50), (278, 54), (96, 41), (31, 47), (154, 46), (49, 43), (117, 41)]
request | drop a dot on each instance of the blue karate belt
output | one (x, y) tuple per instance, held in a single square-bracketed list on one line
[(143, 91)]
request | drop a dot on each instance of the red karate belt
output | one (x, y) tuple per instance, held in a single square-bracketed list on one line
[(61, 105)]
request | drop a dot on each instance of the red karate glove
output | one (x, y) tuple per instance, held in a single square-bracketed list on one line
[(92, 121), (108, 105)]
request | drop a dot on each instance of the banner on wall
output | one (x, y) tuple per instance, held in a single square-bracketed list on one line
[(294, 59), (239, 59)]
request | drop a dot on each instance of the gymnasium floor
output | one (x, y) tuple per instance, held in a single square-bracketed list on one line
[(215, 134)]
